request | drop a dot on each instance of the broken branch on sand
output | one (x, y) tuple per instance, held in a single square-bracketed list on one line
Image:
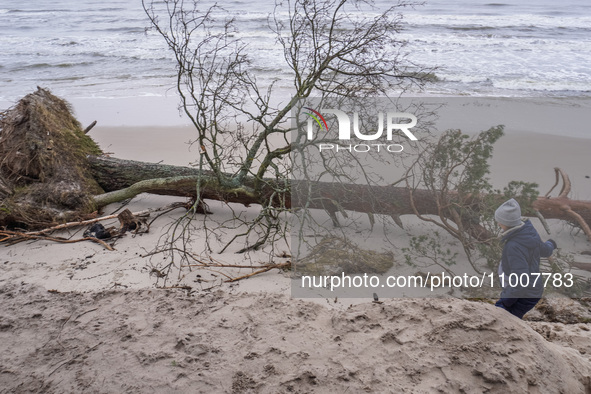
[(128, 221), (13, 237), (144, 213), (260, 269)]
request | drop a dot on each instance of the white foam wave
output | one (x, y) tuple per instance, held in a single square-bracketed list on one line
[(103, 48), (496, 22)]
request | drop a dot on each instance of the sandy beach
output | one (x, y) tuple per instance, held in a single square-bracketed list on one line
[(80, 318), (160, 341), (166, 305)]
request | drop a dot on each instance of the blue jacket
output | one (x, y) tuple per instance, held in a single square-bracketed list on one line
[(521, 255)]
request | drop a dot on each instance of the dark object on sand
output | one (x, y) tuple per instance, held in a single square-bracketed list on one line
[(97, 230)]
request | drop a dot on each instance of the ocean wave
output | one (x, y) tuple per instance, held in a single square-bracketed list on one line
[(543, 82), (37, 65), (48, 66), (254, 34), (112, 9), (123, 29), (68, 43), (69, 78), (70, 65), (40, 11), (543, 86), (470, 28), (103, 46), (498, 22)]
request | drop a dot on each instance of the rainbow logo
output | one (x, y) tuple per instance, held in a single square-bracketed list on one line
[(317, 115)]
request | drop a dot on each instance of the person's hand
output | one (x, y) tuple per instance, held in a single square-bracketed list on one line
[(553, 243)]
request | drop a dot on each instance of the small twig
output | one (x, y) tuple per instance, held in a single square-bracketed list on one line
[(61, 329), (74, 358), (219, 272), (71, 241), (249, 275), (261, 268), (216, 265), (14, 237), (167, 209), (93, 239), (85, 312), (265, 269), (182, 287)]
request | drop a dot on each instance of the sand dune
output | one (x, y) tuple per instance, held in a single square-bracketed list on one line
[(170, 342)]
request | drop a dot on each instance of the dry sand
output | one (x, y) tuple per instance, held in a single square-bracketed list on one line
[(161, 341), (78, 318)]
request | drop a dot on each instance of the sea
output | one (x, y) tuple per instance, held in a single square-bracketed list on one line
[(104, 49)]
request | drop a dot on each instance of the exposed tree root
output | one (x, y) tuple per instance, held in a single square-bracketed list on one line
[(561, 207)]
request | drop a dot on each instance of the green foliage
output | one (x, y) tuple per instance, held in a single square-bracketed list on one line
[(524, 192), (429, 247), (455, 169), (335, 255), (460, 163), (490, 252)]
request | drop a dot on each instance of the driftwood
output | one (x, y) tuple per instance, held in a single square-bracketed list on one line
[(261, 269), (13, 237), (122, 218)]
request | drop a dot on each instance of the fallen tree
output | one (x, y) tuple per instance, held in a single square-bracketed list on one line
[(123, 179), (51, 173), (53, 177)]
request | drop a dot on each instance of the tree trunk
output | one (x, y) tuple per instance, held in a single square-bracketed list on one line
[(123, 179)]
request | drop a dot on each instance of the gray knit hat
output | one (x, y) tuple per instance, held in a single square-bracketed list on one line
[(509, 213)]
